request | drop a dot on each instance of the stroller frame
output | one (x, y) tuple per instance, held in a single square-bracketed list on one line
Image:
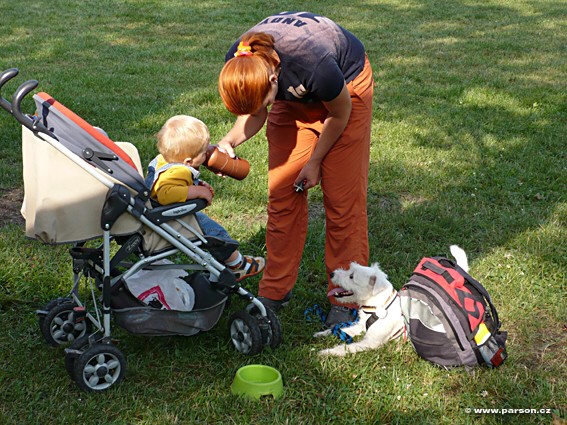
[(92, 360)]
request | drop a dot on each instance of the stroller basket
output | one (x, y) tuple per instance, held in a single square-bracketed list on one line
[(144, 320)]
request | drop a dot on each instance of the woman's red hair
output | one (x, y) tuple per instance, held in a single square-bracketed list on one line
[(244, 80)]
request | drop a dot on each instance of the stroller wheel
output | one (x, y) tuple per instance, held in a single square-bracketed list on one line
[(271, 332), (73, 352), (49, 306), (99, 367), (70, 357), (245, 333), (61, 325)]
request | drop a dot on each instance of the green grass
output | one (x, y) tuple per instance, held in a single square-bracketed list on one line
[(468, 147)]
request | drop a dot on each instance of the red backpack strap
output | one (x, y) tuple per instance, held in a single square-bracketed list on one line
[(441, 271), (482, 290), (475, 284), (438, 270)]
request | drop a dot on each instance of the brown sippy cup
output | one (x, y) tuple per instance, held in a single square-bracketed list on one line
[(221, 162)]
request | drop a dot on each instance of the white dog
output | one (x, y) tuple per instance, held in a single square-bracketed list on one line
[(380, 313)]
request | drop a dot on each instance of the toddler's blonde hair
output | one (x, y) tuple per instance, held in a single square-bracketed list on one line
[(182, 137)]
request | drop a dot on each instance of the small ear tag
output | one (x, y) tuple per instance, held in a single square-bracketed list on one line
[(381, 312)]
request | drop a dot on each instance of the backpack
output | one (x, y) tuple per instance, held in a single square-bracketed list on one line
[(449, 316)]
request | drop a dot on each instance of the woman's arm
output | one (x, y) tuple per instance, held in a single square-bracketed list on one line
[(339, 113), (243, 129)]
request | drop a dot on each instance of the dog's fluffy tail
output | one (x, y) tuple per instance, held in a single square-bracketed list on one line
[(461, 257)]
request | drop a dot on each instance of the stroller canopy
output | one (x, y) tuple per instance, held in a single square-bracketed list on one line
[(63, 202), (83, 140)]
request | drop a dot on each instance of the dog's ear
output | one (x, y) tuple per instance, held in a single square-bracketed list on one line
[(372, 283), (376, 289)]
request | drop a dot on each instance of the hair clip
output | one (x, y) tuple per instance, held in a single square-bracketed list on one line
[(243, 49)]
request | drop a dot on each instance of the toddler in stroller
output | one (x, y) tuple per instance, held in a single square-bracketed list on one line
[(79, 186), (173, 176)]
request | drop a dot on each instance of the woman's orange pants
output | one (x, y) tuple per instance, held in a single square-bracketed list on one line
[(292, 131)]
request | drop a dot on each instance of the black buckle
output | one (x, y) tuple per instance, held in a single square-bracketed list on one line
[(98, 158)]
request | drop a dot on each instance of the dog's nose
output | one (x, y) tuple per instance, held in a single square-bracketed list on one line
[(332, 275)]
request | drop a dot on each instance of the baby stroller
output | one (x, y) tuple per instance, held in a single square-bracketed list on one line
[(82, 188)]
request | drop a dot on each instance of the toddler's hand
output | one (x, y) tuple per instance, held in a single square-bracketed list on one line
[(208, 186), (202, 192)]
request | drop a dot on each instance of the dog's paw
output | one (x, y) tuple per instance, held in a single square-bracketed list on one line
[(335, 351), (322, 334)]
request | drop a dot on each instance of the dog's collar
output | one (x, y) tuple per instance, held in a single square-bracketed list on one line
[(373, 309), (377, 313)]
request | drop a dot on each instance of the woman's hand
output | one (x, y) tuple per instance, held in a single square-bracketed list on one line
[(310, 175), (244, 128), (226, 146)]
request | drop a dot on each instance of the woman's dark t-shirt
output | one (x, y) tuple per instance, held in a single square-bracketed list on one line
[(317, 55)]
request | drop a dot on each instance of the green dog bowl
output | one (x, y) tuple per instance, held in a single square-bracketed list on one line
[(254, 381)]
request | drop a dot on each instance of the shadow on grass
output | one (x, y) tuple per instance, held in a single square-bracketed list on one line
[(469, 125)]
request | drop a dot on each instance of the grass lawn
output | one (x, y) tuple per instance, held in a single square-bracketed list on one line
[(468, 147)]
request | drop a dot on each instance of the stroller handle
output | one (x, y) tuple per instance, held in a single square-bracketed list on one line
[(17, 98), (4, 78), (14, 108)]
